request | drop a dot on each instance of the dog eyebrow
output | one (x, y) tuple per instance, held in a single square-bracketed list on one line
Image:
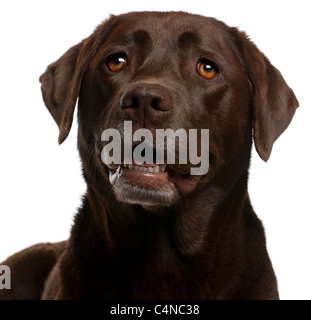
[(141, 38), (188, 38)]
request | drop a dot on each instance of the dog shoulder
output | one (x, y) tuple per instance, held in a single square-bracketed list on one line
[(29, 270)]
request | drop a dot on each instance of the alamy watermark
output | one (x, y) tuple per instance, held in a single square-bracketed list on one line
[(144, 151), (5, 277)]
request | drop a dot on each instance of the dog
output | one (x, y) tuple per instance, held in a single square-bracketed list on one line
[(149, 230)]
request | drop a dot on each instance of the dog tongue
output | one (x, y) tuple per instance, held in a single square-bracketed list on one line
[(186, 183)]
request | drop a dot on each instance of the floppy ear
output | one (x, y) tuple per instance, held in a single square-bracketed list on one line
[(273, 102), (61, 84)]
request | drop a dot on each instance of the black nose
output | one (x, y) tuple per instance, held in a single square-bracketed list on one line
[(147, 102)]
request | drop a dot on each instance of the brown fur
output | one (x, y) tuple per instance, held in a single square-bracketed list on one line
[(208, 244)]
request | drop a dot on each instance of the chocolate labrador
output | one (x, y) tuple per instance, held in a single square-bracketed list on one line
[(154, 230)]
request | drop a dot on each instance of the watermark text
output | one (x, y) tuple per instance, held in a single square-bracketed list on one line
[(5, 277), (144, 151)]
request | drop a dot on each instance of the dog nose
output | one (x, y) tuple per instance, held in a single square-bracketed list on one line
[(147, 102)]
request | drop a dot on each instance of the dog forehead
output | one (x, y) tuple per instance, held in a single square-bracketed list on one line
[(167, 27)]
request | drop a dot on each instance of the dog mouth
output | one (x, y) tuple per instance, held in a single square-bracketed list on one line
[(154, 177), (151, 185)]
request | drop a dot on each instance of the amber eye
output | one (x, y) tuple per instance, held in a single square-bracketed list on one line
[(207, 69), (116, 62)]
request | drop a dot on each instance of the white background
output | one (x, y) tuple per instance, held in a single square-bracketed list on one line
[(41, 183)]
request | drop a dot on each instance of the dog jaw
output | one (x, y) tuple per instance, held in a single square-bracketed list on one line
[(150, 185), (127, 189)]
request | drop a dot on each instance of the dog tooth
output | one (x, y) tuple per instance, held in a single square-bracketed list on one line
[(162, 167), (113, 177), (156, 169), (150, 169), (130, 166)]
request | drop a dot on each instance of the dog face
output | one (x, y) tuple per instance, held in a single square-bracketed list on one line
[(168, 71)]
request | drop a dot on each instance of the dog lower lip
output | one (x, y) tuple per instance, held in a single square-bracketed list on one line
[(154, 176), (150, 176)]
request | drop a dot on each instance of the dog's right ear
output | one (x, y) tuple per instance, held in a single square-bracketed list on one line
[(60, 84)]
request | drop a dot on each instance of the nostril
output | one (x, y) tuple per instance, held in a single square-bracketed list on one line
[(155, 104), (129, 102), (135, 102)]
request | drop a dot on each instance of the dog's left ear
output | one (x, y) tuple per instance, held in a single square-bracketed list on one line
[(273, 102)]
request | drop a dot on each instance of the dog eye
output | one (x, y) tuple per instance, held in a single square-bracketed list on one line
[(207, 69), (116, 62)]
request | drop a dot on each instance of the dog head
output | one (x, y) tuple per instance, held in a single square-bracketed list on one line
[(167, 71)]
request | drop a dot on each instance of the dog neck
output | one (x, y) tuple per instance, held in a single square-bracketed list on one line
[(189, 226)]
